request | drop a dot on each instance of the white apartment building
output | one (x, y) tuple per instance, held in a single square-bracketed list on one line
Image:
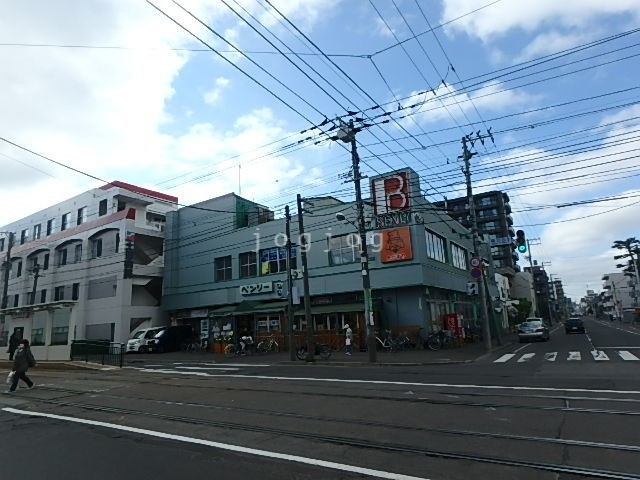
[(90, 267)]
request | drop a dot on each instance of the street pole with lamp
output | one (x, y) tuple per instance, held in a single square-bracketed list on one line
[(348, 135)]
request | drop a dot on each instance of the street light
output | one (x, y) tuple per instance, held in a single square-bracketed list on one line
[(366, 282)]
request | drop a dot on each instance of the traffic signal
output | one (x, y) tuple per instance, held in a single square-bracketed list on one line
[(521, 242)]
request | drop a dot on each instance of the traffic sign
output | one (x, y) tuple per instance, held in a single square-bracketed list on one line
[(475, 262), (476, 272)]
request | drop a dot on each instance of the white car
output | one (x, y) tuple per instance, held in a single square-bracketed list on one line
[(138, 343)]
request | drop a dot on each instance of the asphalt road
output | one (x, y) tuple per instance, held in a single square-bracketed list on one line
[(530, 411)]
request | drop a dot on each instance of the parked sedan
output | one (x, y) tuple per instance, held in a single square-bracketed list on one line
[(574, 325), (533, 330)]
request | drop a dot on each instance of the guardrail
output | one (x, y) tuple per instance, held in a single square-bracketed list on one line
[(98, 351)]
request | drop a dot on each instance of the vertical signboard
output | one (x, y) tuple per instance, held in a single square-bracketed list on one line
[(391, 192)]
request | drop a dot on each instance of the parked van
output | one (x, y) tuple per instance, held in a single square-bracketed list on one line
[(171, 339), (138, 343)]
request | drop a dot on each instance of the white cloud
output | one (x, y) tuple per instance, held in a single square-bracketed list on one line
[(447, 102), (488, 24), (213, 96)]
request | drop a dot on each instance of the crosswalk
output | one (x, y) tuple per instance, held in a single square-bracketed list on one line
[(571, 356)]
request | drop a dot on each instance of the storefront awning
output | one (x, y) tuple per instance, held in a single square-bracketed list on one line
[(248, 307), (344, 308), (225, 310)]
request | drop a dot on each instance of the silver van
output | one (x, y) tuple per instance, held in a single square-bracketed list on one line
[(138, 343)]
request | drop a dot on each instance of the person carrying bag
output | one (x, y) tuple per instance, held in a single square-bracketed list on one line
[(22, 361)]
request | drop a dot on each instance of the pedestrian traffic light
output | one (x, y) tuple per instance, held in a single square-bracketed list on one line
[(521, 242)]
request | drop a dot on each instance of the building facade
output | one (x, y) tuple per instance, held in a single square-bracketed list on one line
[(226, 269), (494, 220), (90, 267), (618, 295)]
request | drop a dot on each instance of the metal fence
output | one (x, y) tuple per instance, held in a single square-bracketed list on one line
[(97, 351)]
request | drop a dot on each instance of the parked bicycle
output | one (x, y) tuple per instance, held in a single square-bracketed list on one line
[(439, 339), (388, 343), (322, 350), (268, 344)]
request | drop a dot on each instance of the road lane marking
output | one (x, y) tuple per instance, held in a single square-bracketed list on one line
[(625, 355), (574, 356), (551, 356), (224, 446), (392, 382), (599, 355), (505, 358), (526, 357)]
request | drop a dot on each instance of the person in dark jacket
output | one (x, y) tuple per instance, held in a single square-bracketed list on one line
[(23, 359), (13, 344)]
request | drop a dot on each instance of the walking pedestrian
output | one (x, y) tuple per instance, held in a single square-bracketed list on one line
[(22, 361), (13, 344), (348, 339)]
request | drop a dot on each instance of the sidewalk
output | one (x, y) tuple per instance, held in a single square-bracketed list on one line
[(463, 354)]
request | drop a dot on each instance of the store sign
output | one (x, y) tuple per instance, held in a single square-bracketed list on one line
[(391, 193), (396, 245), (256, 288), (392, 219)]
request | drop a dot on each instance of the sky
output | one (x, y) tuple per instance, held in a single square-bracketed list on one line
[(199, 98)]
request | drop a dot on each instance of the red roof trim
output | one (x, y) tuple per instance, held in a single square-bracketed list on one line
[(143, 191)]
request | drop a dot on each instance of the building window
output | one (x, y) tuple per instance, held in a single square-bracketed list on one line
[(248, 265), (43, 295), (117, 242), (223, 268), (64, 224), (58, 293), (102, 207), (19, 269), (458, 257), (96, 248), (436, 247), (45, 262), (344, 249), (1, 244), (62, 257), (274, 260), (24, 236), (82, 216), (37, 232), (16, 300), (78, 253), (51, 226), (75, 291)]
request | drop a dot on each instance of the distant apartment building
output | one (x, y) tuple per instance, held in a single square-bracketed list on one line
[(226, 266), (90, 267), (493, 216), (618, 294)]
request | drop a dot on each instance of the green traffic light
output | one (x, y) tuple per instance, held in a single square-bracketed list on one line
[(522, 248)]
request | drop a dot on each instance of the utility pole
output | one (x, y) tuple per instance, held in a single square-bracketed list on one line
[(529, 243), (36, 269), (290, 317), (466, 156), (348, 135), (311, 348), (7, 268)]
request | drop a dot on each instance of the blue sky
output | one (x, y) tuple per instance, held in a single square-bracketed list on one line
[(121, 91)]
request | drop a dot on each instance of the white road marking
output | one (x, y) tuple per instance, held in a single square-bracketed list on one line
[(551, 356), (208, 368), (526, 357), (223, 446), (505, 358), (599, 355), (574, 356), (625, 355)]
